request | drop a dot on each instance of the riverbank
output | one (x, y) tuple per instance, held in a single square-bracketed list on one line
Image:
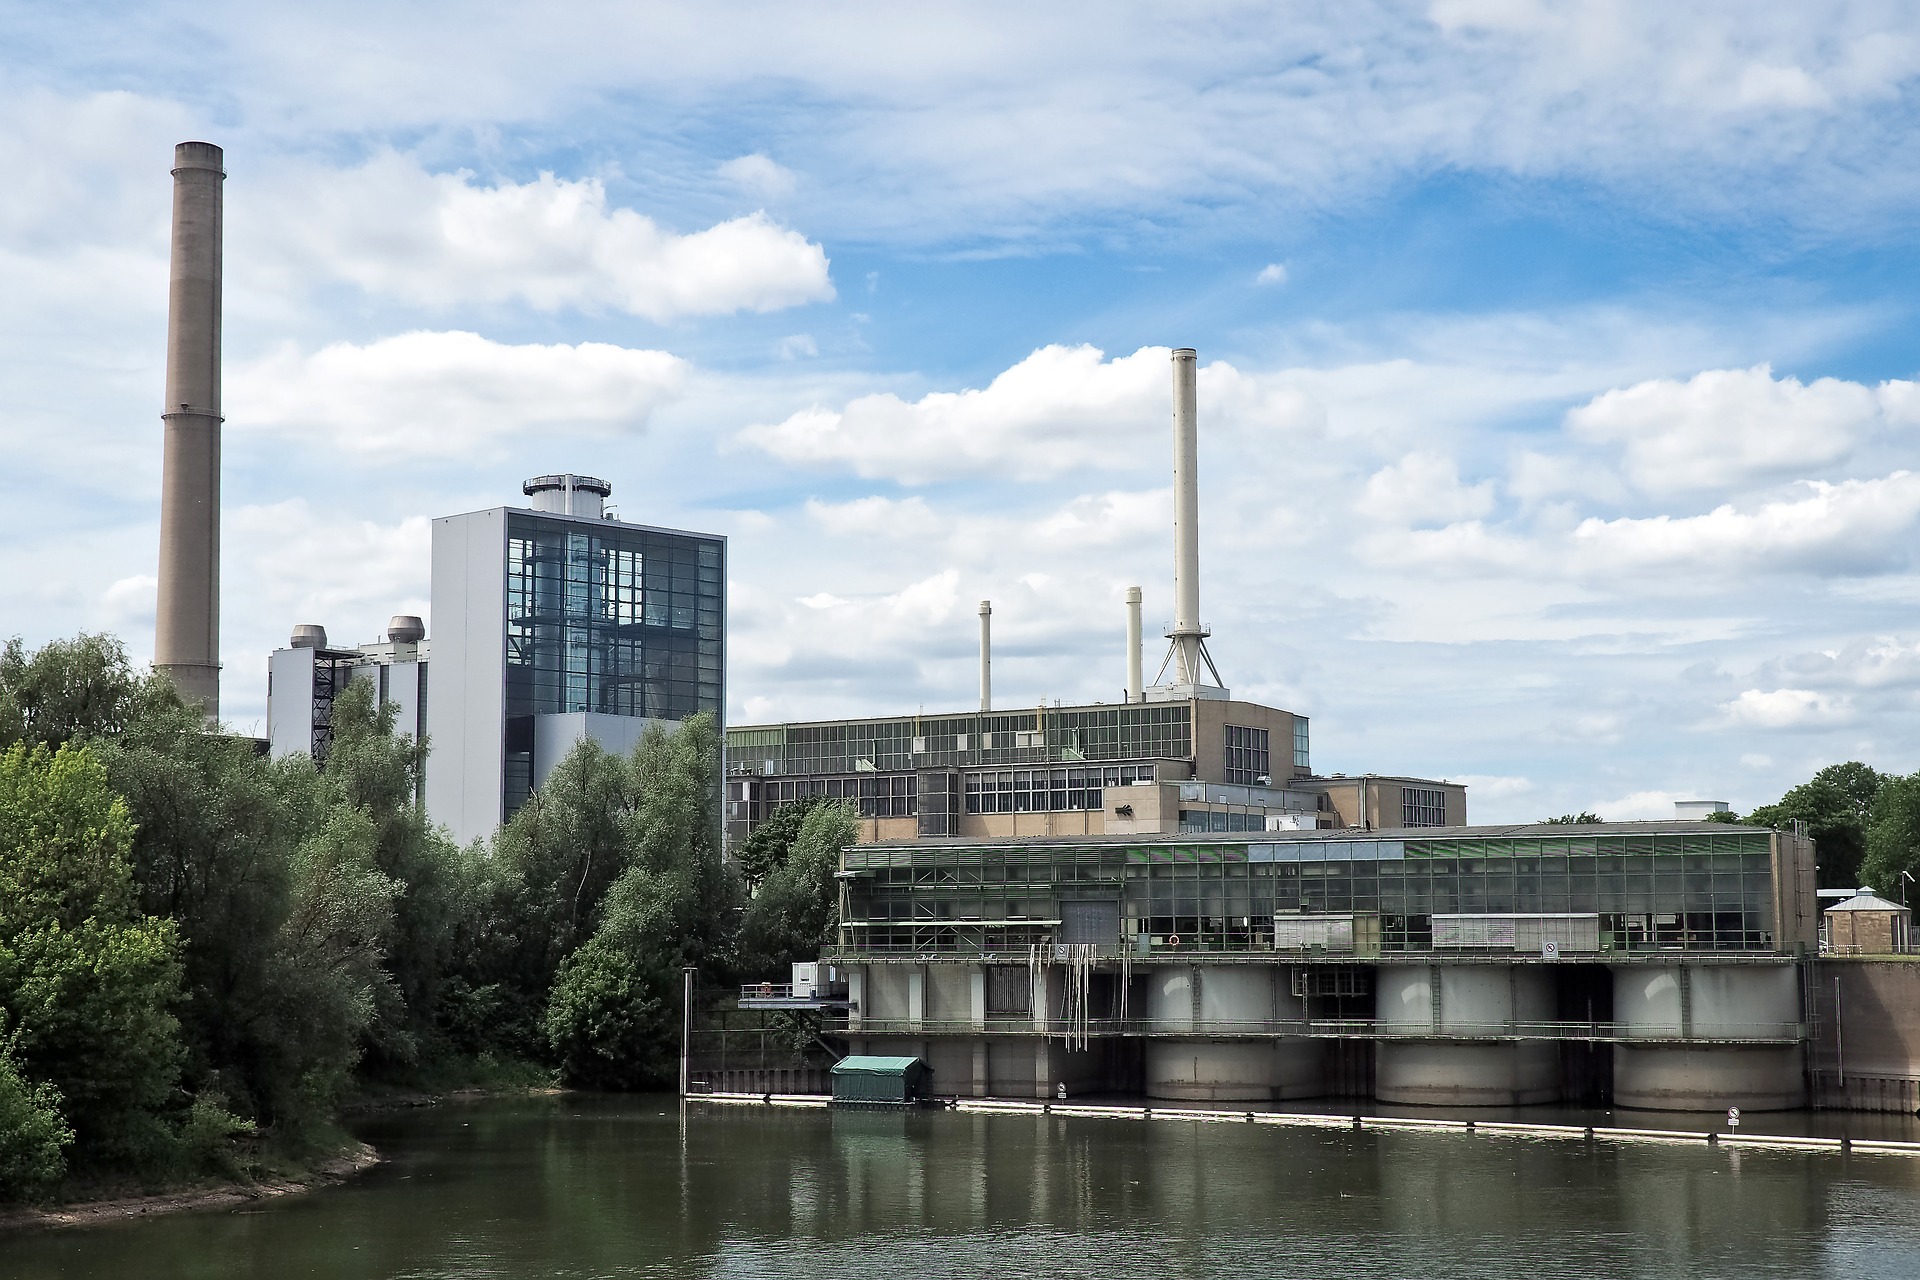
[(337, 1168), (110, 1204)]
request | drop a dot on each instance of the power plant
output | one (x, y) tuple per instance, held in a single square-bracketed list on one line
[(186, 640)]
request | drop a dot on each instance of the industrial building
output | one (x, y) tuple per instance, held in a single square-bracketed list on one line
[(1181, 755), (1653, 964), (554, 624)]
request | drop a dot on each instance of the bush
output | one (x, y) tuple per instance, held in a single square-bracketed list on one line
[(607, 1022), (33, 1134)]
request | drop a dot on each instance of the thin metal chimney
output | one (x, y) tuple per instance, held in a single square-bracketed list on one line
[(186, 639), (1187, 653), (1134, 683), (986, 655)]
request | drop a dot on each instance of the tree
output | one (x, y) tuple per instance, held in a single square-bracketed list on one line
[(375, 773), (1581, 819), (766, 847), (613, 1012), (794, 913), (1893, 838), (34, 1136), (1837, 806), (73, 689), (87, 984)]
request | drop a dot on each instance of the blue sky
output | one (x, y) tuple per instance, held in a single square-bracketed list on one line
[(1558, 422)]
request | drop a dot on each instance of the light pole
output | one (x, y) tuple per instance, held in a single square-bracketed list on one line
[(686, 1030)]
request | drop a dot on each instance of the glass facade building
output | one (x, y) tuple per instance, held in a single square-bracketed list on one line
[(611, 619), (556, 626), (1649, 887)]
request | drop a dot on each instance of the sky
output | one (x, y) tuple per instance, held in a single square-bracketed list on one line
[(1557, 395)]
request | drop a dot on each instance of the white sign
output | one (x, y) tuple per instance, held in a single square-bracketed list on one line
[(1550, 950), (1733, 1117)]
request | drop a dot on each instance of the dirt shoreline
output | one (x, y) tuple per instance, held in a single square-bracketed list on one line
[(355, 1159)]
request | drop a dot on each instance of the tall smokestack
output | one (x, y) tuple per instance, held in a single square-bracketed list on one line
[(186, 641), (1134, 683), (1188, 652), (986, 655)]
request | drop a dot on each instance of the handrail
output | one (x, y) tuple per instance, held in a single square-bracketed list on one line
[(1327, 1028)]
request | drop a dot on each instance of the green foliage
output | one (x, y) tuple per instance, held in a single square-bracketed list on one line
[(671, 907), (1837, 806), (767, 846), (1725, 817), (1581, 819), (375, 773), (34, 1137), (793, 914), (1893, 839), (610, 1022), (535, 899), (73, 689), (88, 986)]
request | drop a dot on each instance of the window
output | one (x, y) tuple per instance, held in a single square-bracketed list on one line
[(1247, 757), (1423, 807), (1300, 743), (1048, 790)]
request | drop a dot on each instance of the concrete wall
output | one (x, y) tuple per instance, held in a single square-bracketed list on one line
[(290, 702), (466, 714), (1865, 1048)]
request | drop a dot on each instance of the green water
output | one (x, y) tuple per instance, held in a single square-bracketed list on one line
[(604, 1187)]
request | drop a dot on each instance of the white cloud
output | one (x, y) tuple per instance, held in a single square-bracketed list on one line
[(1272, 273), (1423, 488), (1726, 427), (795, 346), (1494, 787), (1876, 662), (1641, 806), (1789, 709), (1061, 409), (756, 173), (448, 394), (442, 240)]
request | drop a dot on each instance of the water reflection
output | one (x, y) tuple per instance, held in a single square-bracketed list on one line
[(587, 1187)]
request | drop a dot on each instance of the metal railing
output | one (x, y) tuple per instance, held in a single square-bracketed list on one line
[(1325, 1029)]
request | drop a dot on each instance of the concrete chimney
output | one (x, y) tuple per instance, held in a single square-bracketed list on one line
[(1134, 684), (186, 640), (986, 655), (1187, 654)]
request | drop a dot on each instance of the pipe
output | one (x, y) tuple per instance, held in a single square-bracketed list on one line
[(186, 639), (986, 655), (1134, 682)]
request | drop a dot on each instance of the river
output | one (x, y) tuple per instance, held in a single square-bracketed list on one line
[(606, 1187)]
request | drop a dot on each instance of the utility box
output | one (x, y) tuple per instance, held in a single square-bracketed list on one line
[(879, 1082), (809, 980)]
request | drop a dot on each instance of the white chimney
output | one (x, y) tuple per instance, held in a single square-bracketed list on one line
[(986, 655), (1134, 682)]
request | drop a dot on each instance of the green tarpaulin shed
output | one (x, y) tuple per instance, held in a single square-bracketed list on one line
[(879, 1081)]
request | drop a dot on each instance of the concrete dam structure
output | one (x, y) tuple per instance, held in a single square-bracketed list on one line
[(1647, 965)]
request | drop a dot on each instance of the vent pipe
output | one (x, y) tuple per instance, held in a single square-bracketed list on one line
[(1187, 654), (186, 633), (1134, 684), (986, 655)]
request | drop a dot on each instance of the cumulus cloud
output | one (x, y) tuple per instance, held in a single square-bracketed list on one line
[(443, 240), (1272, 273), (1061, 409), (447, 394), (1789, 709), (1726, 427), (1424, 488)]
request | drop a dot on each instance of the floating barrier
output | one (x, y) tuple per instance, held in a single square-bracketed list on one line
[(1360, 1123)]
